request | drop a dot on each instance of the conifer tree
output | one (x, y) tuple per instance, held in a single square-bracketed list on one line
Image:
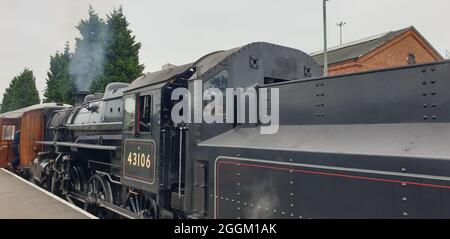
[(60, 87), (88, 60), (22, 92), (122, 54)]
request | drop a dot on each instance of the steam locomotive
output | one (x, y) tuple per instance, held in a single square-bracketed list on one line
[(363, 145)]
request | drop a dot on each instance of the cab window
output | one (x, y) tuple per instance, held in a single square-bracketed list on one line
[(219, 81), (144, 114), (129, 114)]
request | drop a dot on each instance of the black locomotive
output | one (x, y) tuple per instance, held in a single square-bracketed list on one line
[(365, 145)]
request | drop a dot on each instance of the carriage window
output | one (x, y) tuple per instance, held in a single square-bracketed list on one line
[(145, 106), (8, 132), (129, 113)]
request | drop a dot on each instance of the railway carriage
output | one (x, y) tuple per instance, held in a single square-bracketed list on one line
[(31, 123)]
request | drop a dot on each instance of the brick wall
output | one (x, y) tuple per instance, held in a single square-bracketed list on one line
[(392, 54)]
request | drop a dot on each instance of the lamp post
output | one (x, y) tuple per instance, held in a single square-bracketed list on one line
[(325, 50), (340, 25)]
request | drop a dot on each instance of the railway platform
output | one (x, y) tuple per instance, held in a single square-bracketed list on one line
[(20, 199)]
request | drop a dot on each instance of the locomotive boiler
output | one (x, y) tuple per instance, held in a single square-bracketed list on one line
[(364, 145)]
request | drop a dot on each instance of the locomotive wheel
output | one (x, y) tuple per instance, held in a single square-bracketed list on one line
[(142, 205), (99, 189), (75, 182), (46, 182)]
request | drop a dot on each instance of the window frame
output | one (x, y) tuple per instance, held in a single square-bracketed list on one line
[(138, 130), (13, 132), (132, 123)]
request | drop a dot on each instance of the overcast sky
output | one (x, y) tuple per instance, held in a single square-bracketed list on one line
[(182, 31)]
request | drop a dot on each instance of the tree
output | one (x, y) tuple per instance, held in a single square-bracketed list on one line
[(21, 93), (60, 87), (87, 62), (122, 54)]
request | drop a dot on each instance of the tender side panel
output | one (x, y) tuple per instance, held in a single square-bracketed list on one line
[(408, 94), (251, 188)]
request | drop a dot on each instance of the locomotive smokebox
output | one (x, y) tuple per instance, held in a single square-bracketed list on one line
[(80, 96)]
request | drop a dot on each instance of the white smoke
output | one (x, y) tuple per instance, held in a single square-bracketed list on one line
[(88, 62)]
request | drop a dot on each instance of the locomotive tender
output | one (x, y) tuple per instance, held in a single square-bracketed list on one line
[(365, 145)]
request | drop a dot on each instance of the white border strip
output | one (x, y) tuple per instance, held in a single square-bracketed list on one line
[(53, 196)]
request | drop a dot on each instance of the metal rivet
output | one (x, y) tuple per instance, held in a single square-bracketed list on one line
[(433, 81), (433, 105), (424, 83), (403, 169), (425, 117), (404, 184), (434, 117), (404, 199), (433, 93), (405, 214), (424, 105), (424, 94)]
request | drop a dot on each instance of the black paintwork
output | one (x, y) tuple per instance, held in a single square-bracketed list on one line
[(365, 145)]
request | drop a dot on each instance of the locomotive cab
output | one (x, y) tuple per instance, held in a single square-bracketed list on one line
[(155, 159), (151, 149)]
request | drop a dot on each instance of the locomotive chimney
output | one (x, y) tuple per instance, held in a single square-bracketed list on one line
[(80, 96)]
